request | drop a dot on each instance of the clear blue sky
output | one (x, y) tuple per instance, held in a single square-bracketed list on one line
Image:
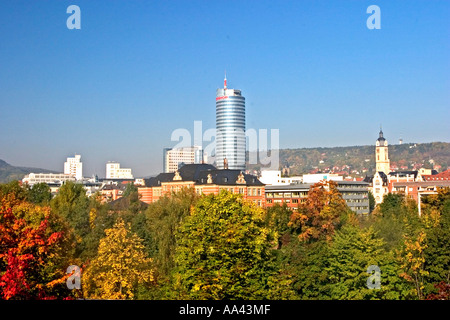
[(137, 70)]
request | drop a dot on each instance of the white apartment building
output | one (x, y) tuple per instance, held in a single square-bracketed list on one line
[(74, 166), (114, 171), (274, 178), (49, 178), (172, 158)]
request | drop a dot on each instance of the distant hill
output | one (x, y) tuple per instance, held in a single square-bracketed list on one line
[(9, 172), (360, 160)]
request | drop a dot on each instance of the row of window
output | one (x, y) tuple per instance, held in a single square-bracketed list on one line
[(294, 201), (355, 200), (299, 194)]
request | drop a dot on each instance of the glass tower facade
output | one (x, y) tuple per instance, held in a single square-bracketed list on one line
[(230, 128)]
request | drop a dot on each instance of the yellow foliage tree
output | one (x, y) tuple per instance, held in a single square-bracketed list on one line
[(120, 266), (413, 262)]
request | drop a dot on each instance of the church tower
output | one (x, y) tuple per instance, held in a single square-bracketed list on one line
[(381, 154)]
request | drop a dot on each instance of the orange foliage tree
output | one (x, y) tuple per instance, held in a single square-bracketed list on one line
[(321, 213), (34, 248)]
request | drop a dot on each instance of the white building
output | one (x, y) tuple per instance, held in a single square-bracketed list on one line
[(316, 177), (172, 158), (74, 166), (274, 178), (114, 171), (49, 178)]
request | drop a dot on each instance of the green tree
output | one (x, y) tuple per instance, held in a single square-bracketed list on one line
[(371, 202), (394, 218), (162, 218), (39, 193), (72, 204), (307, 263), (223, 252), (277, 218), (352, 251), (120, 268), (129, 189), (436, 216)]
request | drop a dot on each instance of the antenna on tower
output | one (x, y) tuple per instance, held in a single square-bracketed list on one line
[(225, 80)]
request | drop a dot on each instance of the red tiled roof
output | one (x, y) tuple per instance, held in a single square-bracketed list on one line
[(445, 175)]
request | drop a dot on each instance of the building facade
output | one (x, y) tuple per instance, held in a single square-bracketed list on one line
[(204, 179), (275, 177), (174, 158), (230, 128), (74, 166), (414, 189), (355, 194), (114, 171), (48, 178)]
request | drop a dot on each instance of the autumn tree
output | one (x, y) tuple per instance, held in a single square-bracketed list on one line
[(412, 258), (120, 268), (13, 189), (35, 250), (223, 252), (321, 213)]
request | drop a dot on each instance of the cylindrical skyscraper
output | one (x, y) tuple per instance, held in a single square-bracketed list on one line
[(230, 128)]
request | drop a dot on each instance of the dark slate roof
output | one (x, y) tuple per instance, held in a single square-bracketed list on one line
[(191, 172), (199, 174), (381, 138), (369, 179), (404, 173), (113, 187), (227, 177)]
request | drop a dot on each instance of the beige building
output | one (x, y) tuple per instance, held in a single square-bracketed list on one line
[(114, 171), (174, 158), (74, 167)]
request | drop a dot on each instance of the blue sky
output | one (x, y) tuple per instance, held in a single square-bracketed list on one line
[(137, 70)]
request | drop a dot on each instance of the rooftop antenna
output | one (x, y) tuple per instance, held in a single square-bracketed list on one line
[(225, 80)]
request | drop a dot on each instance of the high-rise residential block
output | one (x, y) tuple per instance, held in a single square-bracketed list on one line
[(74, 167)]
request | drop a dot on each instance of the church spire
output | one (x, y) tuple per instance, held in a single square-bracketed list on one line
[(380, 135)]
